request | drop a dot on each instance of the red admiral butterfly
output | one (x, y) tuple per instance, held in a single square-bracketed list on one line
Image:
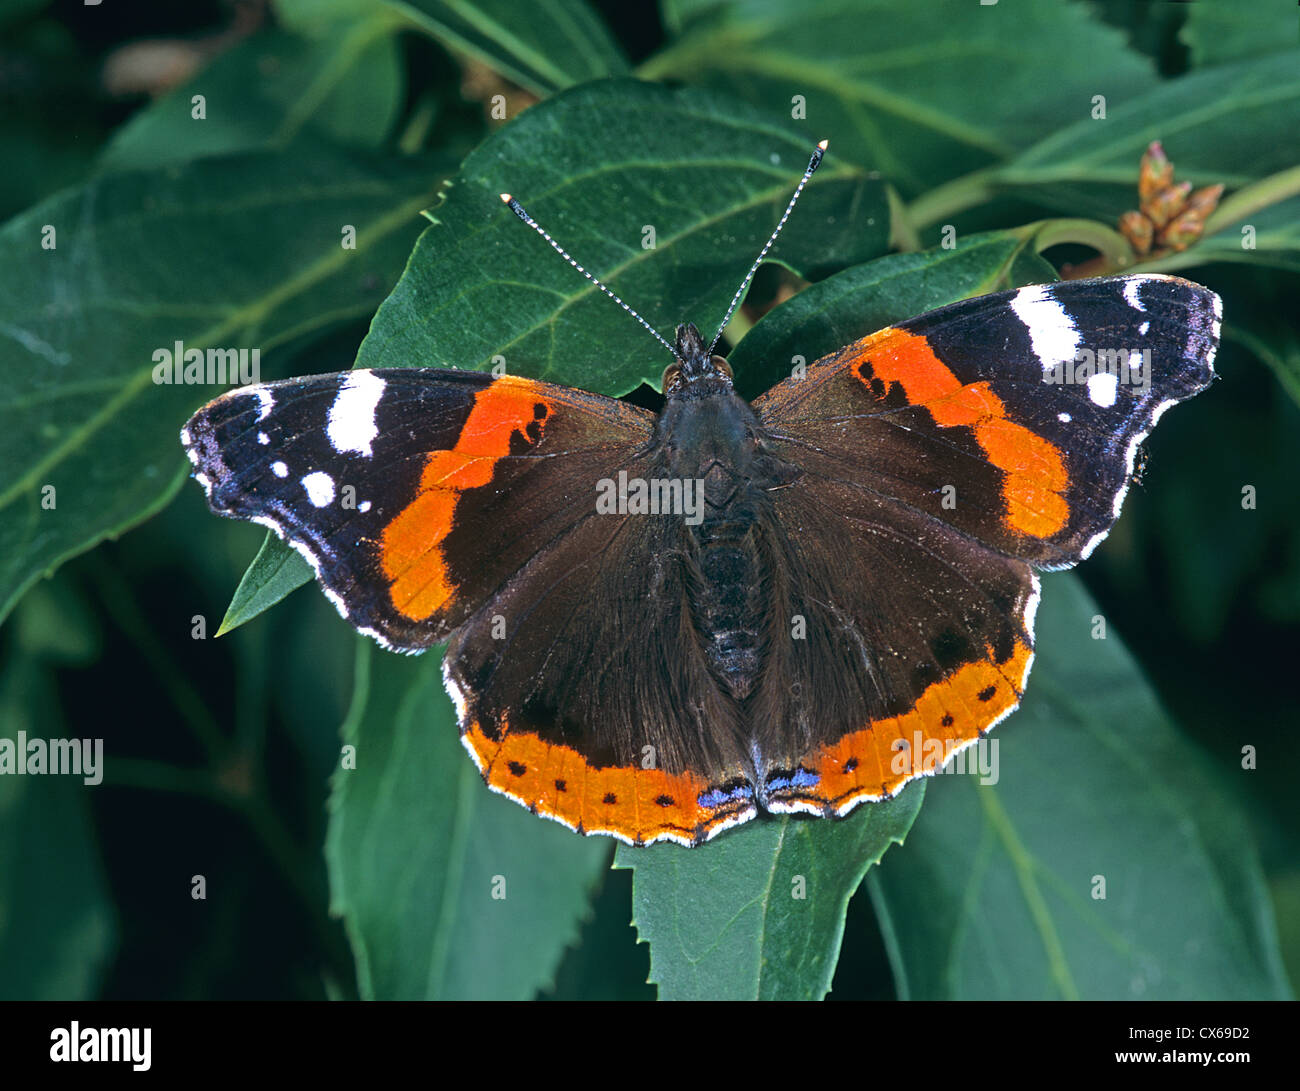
[(658, 626)]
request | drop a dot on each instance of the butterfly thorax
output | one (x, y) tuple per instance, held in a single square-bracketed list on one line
[(710, 440)]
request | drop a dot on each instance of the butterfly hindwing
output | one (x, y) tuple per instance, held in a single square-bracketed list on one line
[(585, 694)]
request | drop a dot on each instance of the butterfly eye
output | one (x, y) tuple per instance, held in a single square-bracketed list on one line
[(722, 366), (672, 378)]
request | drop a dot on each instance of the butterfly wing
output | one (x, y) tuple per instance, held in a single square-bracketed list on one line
[(438, 504), (942, 461), (1002, 417), (414, 493)]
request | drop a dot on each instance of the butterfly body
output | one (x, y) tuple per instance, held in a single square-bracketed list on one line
[(709, 440)]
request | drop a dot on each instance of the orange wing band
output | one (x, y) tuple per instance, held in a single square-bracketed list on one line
[(1035, 476)]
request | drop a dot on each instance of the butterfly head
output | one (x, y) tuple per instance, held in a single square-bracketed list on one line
[(694, 362)]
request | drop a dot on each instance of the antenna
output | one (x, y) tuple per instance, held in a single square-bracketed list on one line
[(518, 210), (813, 163)]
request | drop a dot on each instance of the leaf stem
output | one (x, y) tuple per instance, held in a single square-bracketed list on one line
[(950, 198)]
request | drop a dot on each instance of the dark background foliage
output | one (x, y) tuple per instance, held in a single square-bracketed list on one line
[(223, 753)]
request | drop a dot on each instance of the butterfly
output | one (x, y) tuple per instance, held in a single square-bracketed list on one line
[(659, 626)]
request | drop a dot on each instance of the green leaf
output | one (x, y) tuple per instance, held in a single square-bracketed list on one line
[(57, 927), (275, 572), (1232, 124), (895, 96), (448, 891), (1222, 32), (552, 46), (346, 85), (759, 913), (598, 166), (233, 253), (827, 316), (996, 896)]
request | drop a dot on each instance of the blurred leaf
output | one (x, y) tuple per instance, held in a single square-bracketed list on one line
[(827, 316), (236, 253), (894, 95), (1233, 124), (274, 572), (597, 166), (759, 913), (1205, 547), (994, 897), (57, 927), (347, 85), (54, 623), (547, 48), (11, 11), (448, 891), (46, 142), (1223, 32), (1286, 897)]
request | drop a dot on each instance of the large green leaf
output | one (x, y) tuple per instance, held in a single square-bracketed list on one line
[(550, 46), (346, 85), (448, 891), (596, 166), (244, 252), (1225, 31), (1232, 124), (996, 895), (892, 93), (759, 913)]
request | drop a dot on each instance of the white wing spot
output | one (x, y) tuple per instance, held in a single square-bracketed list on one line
[(279, 469), (265, 401), (320, 488), (1064, 418), (1102, 389), (1054, 337), (352, 424), (263, 438), (364, 506), (1142, 329), (1131, 296)]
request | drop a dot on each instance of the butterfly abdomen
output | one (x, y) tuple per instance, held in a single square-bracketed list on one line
[(728, 602)]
